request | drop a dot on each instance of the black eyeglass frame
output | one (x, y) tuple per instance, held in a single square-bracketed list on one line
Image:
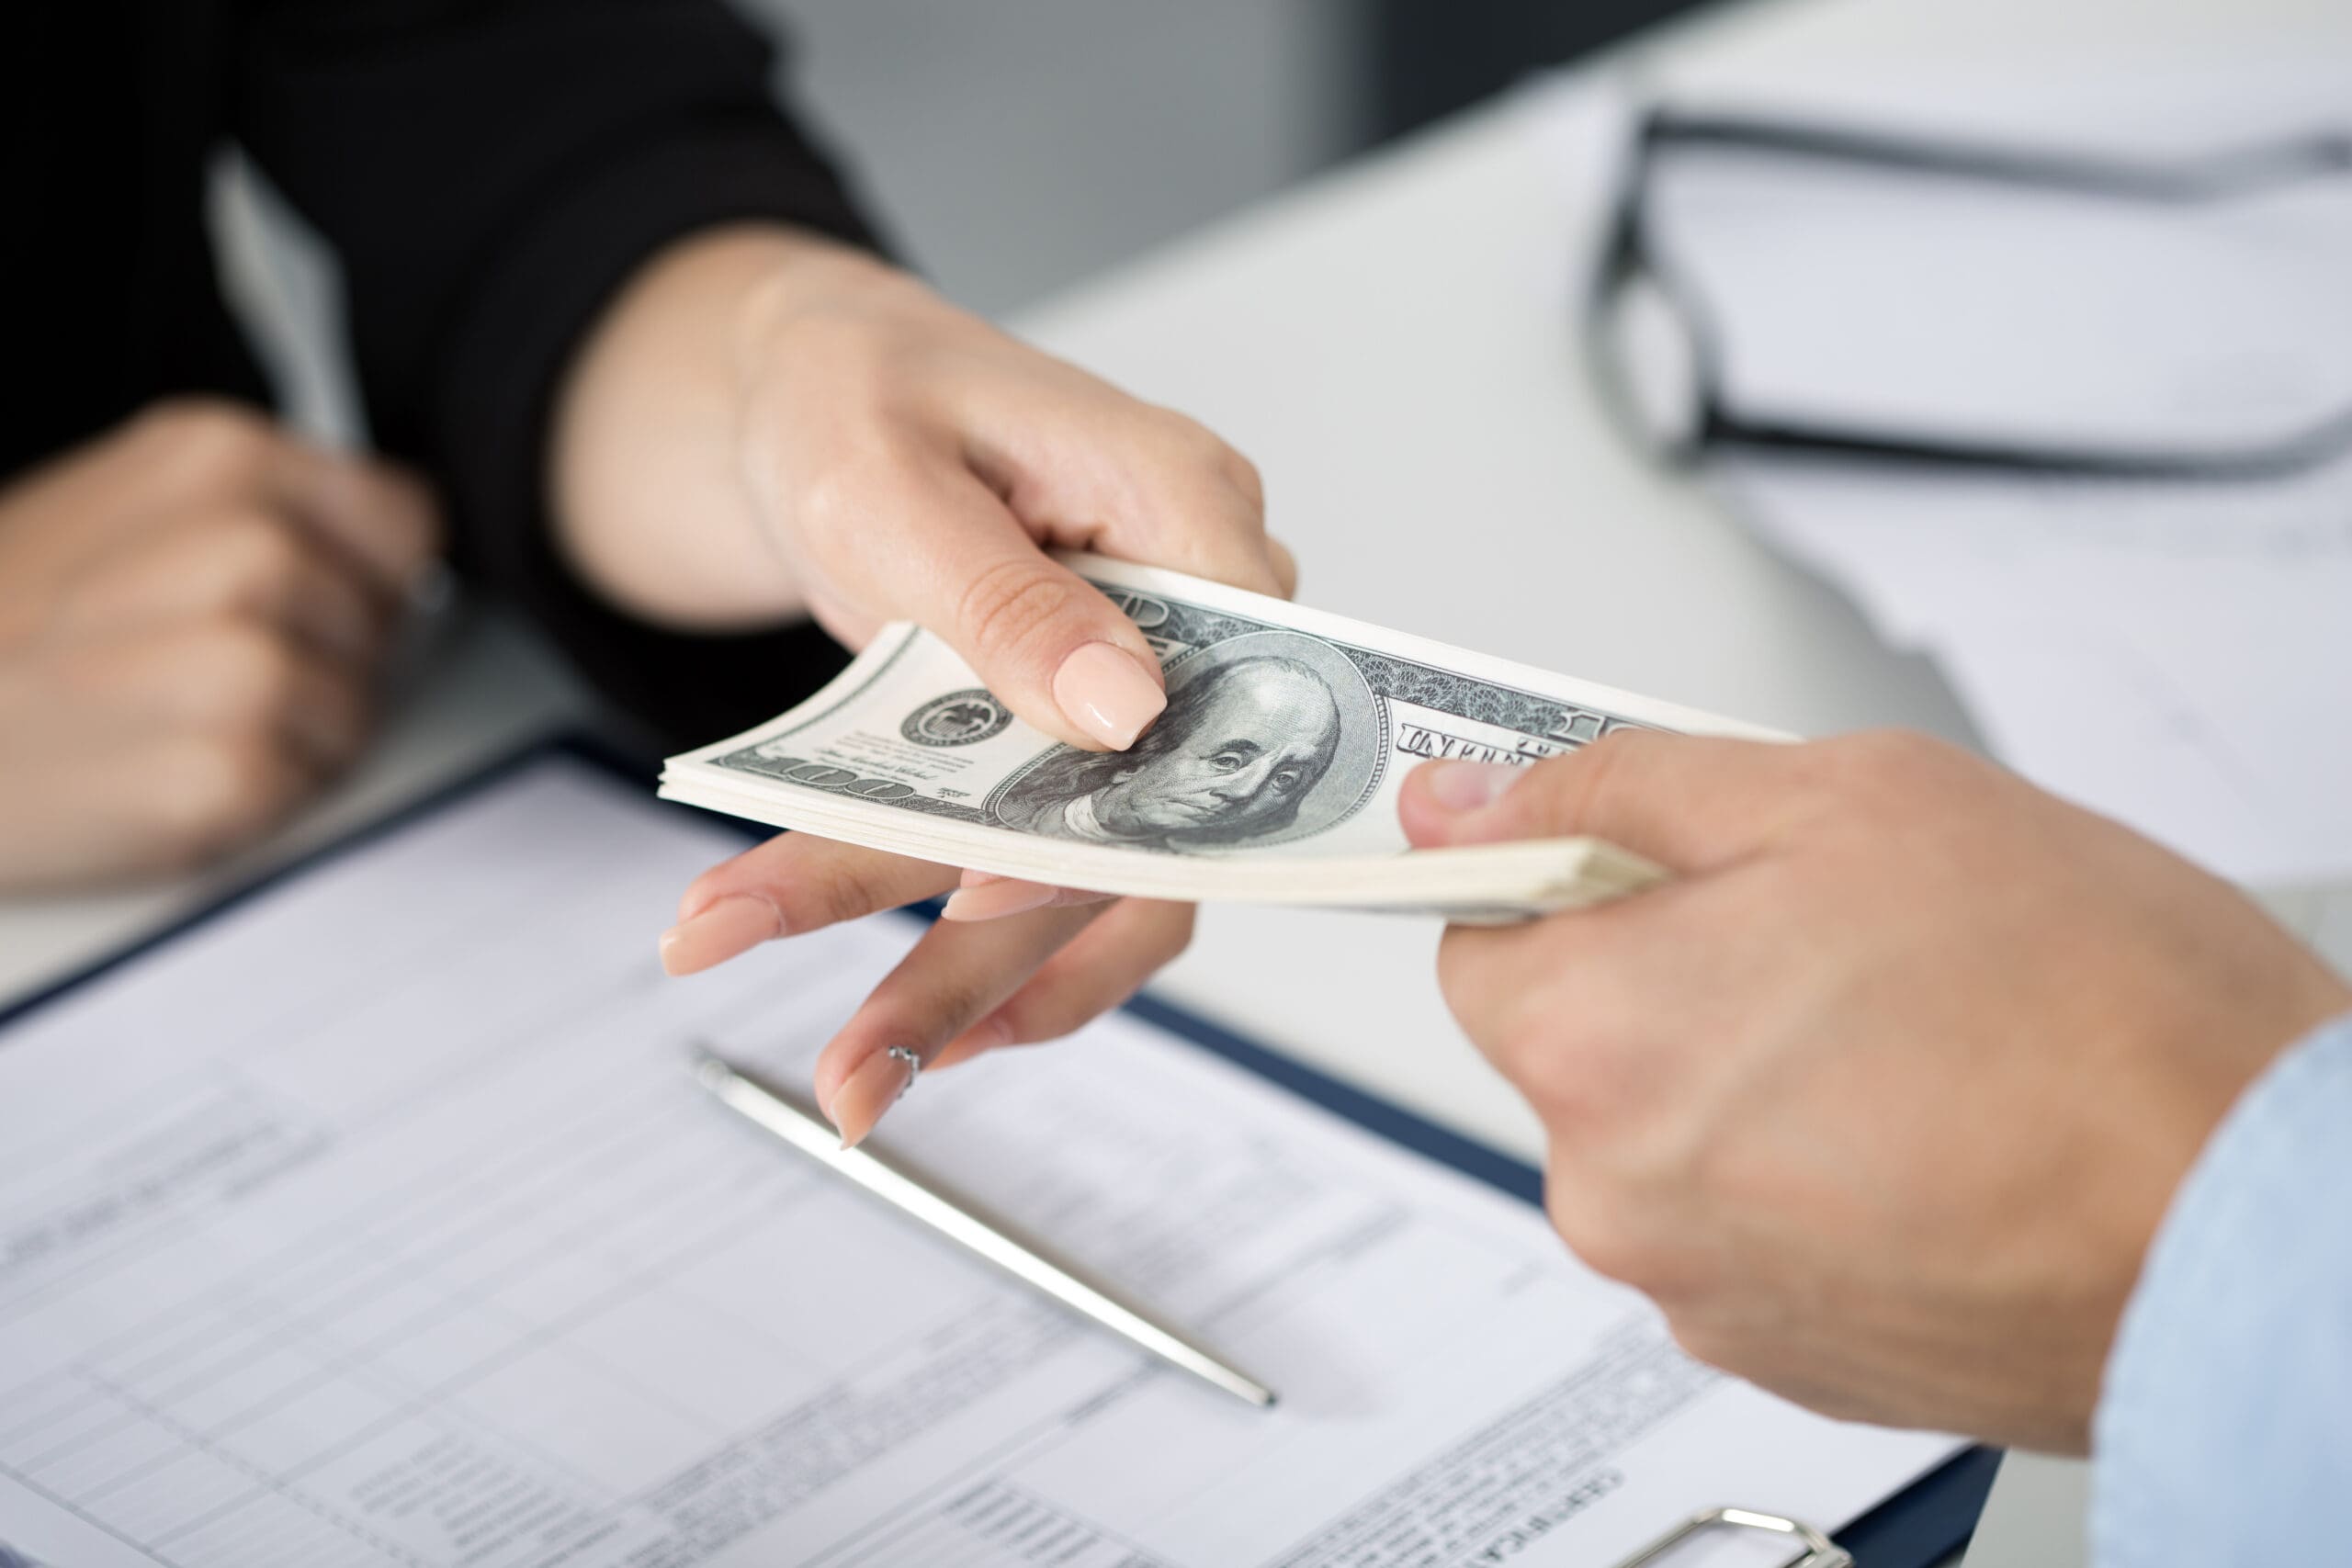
[(1631, 255)]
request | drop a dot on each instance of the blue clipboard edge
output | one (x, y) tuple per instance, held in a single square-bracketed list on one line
[(1917, 1527)]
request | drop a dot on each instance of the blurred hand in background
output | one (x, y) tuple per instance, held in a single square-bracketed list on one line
[(193, 611)]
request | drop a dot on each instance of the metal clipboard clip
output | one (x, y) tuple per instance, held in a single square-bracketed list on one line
[(1816, 1550)]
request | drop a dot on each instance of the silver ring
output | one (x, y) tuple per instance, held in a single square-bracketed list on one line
[(906, 1054)]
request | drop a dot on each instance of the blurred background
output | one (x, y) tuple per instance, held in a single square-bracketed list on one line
[(1015, 147), (1019, 148), (1021, 145)]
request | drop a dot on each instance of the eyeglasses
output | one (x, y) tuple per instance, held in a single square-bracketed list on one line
[(1641, 311)]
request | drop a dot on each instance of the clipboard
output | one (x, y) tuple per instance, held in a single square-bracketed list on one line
[(1916, 1528)]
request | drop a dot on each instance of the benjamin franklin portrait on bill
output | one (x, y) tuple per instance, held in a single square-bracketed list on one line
[(1254, 732)]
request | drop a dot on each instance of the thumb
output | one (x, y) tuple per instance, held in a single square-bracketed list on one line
[(1692, 804), (1059, 654)]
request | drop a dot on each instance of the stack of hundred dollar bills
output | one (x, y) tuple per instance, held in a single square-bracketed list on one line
[(1272, 777)]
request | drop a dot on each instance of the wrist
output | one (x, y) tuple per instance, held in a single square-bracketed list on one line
[(646, 466)]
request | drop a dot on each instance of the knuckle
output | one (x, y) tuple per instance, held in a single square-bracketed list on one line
[(837, 889), (1703, 1340), (1190, 440), (1586, 1220), (1009, 603), (222, 792), (212, 433), (1573, 1089), (1525, 1049), (418, 508), (1461, 975), (1591, 774), (1243, 475), (1876, 772), (1574, 1067), (1174, 934), (251, 672), (836, 500), (916, 1003), (261, 555), (841, 507)]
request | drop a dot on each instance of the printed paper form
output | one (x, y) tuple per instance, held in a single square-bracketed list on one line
[(377, 1223)]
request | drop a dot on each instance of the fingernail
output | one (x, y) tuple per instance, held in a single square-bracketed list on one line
[(978, 878), (994, 900), (866, 1093), (1466, 786), (1105, 693), (734, 924)]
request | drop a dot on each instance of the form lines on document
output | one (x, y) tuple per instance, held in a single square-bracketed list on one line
[(724, 1224), (1447, 1507), (421, 964), (265, 1480), (375, 1270), (1331, 1253), (953, 1318), (433, 1402), (736, 1490), (387, 1207), (88, 1517), (721, 1233), (362, 1229), (1019, 1528), (153, 1193), (379, 1264), (890, 1533)]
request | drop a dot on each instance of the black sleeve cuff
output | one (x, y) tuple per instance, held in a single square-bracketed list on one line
[(488, 435)]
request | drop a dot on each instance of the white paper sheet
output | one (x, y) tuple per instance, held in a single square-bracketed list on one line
[(1859, 297), (377, 1223), (2177, 655)]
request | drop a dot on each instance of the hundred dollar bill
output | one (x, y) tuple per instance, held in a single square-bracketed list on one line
[(1272, 776)]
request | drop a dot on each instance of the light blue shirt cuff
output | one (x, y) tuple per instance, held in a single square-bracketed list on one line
[(2224, 1428)]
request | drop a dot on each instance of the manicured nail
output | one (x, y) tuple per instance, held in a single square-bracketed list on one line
[(1105, 693), (978, 878), (734, 924), (866, 1093), (1467, 787), (994, 900)]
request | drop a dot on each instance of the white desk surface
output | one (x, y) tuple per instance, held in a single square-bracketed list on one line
[(1395, 346)]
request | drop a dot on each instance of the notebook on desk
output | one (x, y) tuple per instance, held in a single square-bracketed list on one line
[(372, 1218)]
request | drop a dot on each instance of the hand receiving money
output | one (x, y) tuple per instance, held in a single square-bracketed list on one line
[(1270, 776)]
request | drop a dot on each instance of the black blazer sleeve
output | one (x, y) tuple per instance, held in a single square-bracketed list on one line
[(489, 173)]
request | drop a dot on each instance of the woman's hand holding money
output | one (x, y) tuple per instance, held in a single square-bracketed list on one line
[(884, 456)]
